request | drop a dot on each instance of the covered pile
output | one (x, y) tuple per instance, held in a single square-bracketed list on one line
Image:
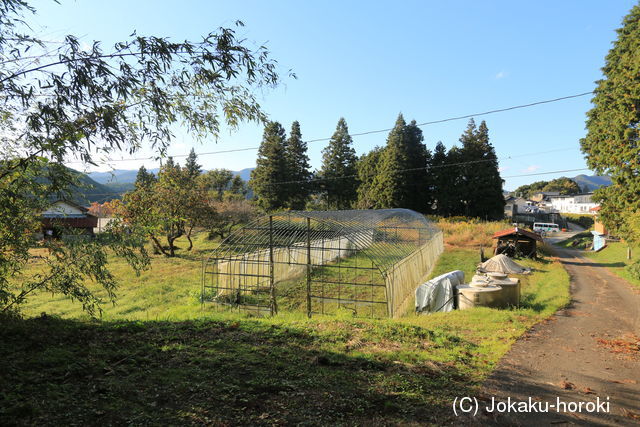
[(502, 264), (438, 293)]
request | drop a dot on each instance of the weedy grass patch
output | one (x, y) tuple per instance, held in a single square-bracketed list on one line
[(470, 233)]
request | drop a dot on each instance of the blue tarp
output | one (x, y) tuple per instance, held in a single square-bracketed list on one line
[(599, 241)]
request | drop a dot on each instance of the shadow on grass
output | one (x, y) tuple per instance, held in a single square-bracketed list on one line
[(214, 372), (529, 302)]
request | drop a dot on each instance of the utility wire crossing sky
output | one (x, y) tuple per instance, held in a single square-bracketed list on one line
[(368, 61)]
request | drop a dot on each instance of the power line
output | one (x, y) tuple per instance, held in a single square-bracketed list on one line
[(397, 170), (466, 116), (417, 169)]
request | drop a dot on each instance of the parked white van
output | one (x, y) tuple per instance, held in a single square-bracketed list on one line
[(545, 227)]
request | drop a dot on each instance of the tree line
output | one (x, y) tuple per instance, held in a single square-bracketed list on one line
[(563, 185), (404, 173)]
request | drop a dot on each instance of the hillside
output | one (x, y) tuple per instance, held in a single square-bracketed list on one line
[(118, 176), (592, 182), (88, 190)]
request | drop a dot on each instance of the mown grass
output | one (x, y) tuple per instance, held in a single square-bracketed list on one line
[(225, 368), (613, 256), (206, 367), (169, 290)]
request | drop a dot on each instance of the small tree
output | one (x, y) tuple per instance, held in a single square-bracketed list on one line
[(171, 207), (216, 182), (193, 169), (230, 213)]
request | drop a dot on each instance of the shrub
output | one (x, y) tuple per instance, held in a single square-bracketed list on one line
[(634, 269)]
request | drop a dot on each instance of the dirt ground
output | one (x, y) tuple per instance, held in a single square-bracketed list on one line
[(587, 351)]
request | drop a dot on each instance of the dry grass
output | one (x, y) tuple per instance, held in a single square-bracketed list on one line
[(470, 233)]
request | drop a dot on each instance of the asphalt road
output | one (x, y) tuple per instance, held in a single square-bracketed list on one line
[(586, 352)]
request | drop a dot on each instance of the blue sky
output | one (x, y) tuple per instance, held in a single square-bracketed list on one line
[(368, 61)]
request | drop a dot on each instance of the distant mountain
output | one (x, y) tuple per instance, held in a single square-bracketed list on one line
[(245, 174), (88, 190), (119, 178), (592, 182), (117, 187)]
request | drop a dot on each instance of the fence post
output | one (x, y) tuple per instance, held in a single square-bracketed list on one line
[(204, 273), (272, 288), (309, 267)]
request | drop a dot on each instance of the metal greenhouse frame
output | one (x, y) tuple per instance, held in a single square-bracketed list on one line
[(365, 261)]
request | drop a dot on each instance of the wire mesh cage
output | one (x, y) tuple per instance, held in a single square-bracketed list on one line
[(368, 262)]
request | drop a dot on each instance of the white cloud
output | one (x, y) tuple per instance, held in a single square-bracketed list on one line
[(531, 168), (502, 75), (504, 168)]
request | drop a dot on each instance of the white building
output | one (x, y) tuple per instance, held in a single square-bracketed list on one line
[(576, 204)]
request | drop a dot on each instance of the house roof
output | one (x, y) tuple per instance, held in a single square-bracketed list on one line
[(595, 209), (517, 231), (84, 210)]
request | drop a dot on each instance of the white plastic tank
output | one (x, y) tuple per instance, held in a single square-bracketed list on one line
[(479, 296), (510, 291)]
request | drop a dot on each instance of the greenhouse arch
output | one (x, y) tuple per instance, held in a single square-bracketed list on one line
[(368, 262)]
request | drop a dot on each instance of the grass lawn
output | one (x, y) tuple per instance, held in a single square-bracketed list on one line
[(206, 367), (169, 290), (613, 256)]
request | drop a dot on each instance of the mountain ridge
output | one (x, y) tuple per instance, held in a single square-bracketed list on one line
[(128, 176)]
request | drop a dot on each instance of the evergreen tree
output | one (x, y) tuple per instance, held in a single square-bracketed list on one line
[(193, 169), (389, 187), (367, 167), (443, 176), (170, 164), (480, 184), (271, 169), (611, 144), (144, 179), (403, 176), (418, 192), (298, 168), (238, 187), (338, 170), (456, 186)]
